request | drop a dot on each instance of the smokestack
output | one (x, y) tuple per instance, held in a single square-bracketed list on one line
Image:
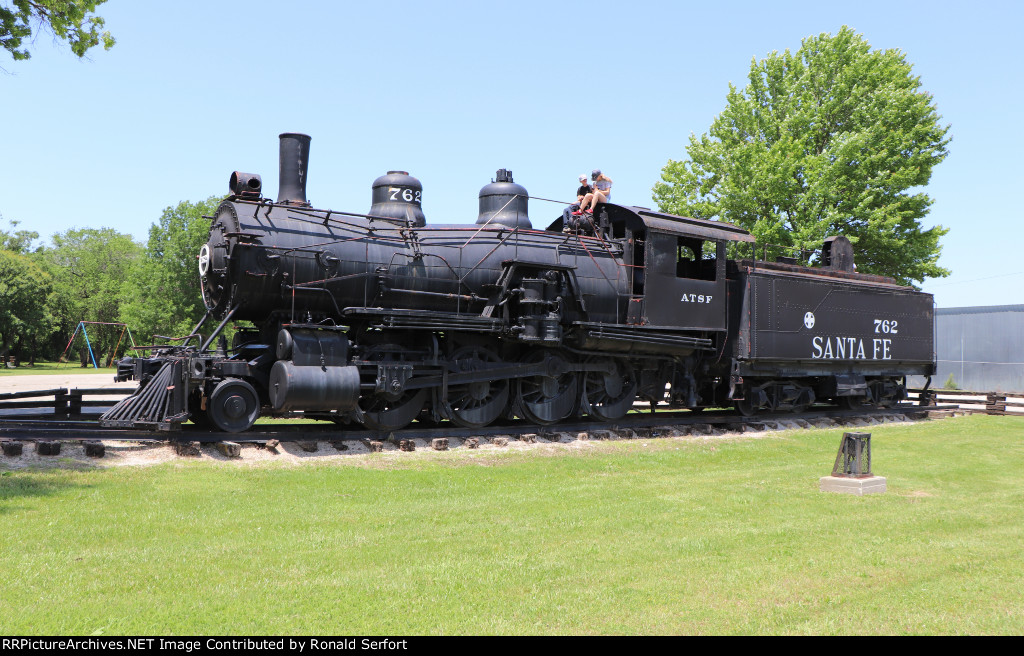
[(294, 166)]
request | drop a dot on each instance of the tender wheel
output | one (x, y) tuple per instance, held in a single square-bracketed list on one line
[(854, 403), (610, 395), (474, 405), (745, 407), (234, 406), (754, 398), (390, 411), (548, 398), (886, 396)]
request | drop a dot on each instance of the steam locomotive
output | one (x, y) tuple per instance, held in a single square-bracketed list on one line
[(380, 319)]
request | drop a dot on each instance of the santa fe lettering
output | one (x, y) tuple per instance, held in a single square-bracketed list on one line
[(696, 298), (849, 348)]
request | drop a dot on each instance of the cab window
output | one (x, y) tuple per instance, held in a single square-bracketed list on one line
[(696, 258)]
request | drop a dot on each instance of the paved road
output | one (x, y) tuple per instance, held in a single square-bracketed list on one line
[(53, 381)]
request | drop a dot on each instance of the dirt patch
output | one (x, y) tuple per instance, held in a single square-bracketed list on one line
[(121, 454), (353, 452)]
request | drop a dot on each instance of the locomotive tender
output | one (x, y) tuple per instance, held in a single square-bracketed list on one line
[(378, 319)]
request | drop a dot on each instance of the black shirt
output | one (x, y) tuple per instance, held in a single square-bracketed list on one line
[(584, 190)]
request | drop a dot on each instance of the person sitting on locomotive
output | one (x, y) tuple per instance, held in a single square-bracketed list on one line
[(584, 189), (602, 191), (570, 217)]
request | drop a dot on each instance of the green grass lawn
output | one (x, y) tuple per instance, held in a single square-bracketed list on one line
[(43, 368), (633, 537)]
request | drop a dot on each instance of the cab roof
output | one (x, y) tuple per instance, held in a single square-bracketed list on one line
[(637, 218)]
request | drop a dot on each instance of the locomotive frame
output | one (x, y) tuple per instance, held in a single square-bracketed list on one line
[(380, 319)]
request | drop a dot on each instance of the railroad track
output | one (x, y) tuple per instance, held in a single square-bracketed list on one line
[(636, 424)]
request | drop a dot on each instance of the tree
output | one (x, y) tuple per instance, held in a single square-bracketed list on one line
[(18, 241), (830, 140), (73, 21), (163, 295), (89, 269), (24, 316)]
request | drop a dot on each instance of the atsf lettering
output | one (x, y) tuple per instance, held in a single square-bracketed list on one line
[(696, 298), (850, 348)]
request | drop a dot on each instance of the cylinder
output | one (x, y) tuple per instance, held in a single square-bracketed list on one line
[(398, 196), (503, 202), (294, 165), (313, 389)]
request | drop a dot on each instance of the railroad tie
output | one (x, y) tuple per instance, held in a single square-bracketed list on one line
[(94, 448), (48, 448), (229, 449)]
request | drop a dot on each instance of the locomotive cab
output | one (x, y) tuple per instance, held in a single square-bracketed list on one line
[(684, 282), (676, 264)]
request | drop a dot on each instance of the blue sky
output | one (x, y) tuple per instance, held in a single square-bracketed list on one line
[(453, 91)]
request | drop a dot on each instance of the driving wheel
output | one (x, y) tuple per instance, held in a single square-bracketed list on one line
[(388, 411), (477, 404), (552, 396), (610, 393)]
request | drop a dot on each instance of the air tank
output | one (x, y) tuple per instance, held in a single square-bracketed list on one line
[(398, 196), (503, 202)]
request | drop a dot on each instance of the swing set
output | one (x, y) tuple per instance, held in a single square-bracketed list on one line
[(85, 333)]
